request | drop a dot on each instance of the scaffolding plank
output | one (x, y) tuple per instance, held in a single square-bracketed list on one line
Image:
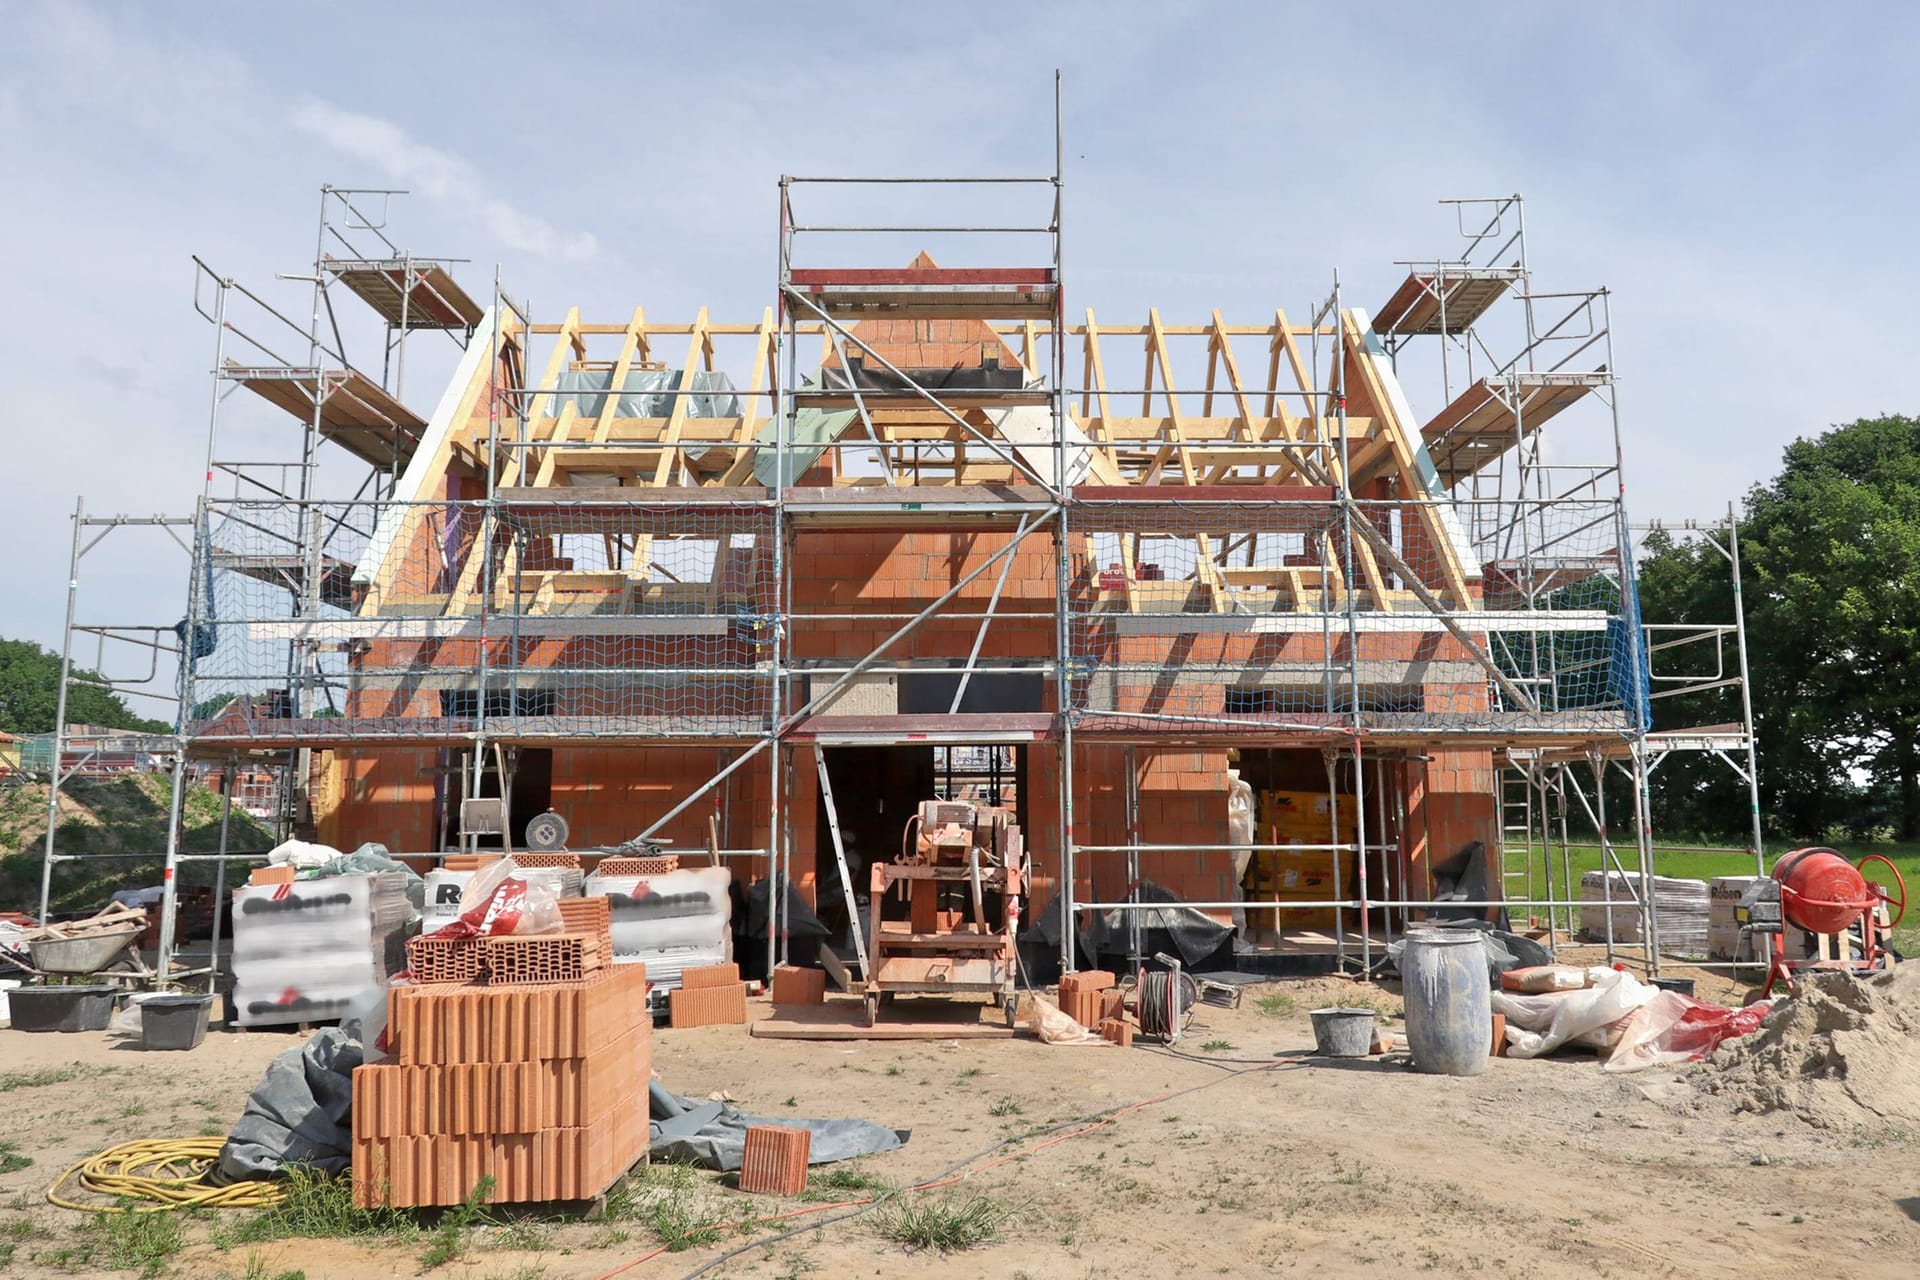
[(1489, 418), (473, 628), (290, 574), (350, 409), (1000, 293), (1295, 623), (1416, 307), (409, 293)]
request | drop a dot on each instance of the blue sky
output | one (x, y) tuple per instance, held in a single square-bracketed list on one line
[(1739, 177)]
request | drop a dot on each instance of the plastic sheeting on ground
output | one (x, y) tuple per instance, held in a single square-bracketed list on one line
[(714, 1135), (1504, 950), (301, 1113), (1672, 1028)]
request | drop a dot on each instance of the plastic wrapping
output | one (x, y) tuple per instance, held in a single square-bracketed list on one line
[(303, 951), (1537, 979), (668, 922), (1539, 1024), (719, 1142), (501, 900), (371, 858), (1054, 1026), (1239, 833), (1671, 1029), (301, 1113)]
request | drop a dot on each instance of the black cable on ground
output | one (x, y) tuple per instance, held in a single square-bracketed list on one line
[(952, 1169)]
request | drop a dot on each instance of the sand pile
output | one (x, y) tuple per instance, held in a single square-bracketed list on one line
[(1840, 1055)]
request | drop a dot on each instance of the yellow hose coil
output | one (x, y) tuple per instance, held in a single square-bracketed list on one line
[(166, 1170)]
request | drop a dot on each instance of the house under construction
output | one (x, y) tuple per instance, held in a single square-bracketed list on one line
[(922, 528)]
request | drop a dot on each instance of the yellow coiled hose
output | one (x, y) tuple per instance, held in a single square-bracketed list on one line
[(165, 1170)]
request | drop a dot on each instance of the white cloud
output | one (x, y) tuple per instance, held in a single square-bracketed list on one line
[(439, 176)]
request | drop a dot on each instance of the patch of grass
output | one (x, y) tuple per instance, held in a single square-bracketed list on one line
[(670, 1202), (524, 1234), (793, 1100), (1216, 1046), (34, 1079), (843, 1182), (139, 1242), (896, 1070), (1006, 1107), (949, 1224), (258, 1268), (525, 1271), (450, 1237), (319, 1207), (1277, 1005), (11, 1161)]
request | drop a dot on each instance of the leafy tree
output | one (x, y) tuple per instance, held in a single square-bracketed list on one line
[(1830, 552), (30, 692), (1834, 600)]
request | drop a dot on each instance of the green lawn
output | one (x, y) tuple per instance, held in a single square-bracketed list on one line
[(1705, 866)]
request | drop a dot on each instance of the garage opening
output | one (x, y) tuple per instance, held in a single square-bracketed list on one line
[(876, 790)]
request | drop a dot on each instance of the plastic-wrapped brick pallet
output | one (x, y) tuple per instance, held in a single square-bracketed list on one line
[(672, 922), (303, 951), (1723, 924), (1681, 906)]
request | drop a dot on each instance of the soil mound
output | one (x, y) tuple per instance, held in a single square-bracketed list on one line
[(1843, 1054)]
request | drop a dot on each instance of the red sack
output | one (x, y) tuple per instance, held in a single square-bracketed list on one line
[(498, 902)]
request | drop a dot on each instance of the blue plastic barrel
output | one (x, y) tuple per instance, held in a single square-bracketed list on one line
[(1443, 980)]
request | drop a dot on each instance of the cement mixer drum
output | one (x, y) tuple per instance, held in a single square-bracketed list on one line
[(1821, 891)]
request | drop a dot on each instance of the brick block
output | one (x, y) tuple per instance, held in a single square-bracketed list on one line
[(1112, 1004), (447, 1024), (435, 959), (285, 873), (561, 861), (708, 1006), (652, 865), (544, 957), (586, 915), (1498, 1049), (1087, 980), (775, 1161), (1117, 1031), (712, 975), (794, 985)]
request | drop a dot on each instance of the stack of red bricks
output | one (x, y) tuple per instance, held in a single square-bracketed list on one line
[(1091, 999), (584, 946), (540, 1085), (711, 996)]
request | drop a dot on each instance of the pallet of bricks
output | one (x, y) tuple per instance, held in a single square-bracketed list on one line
[(526, 1062)]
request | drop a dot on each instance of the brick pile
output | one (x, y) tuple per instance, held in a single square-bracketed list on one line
[(710, 996), (1083, 997), (541, 1087), (1117, 1031)]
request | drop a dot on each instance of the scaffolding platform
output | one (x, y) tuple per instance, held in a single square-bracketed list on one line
[(408, 293), (1444, 301), (353, 410), (932, 293), (1491, 416), (290, 572)]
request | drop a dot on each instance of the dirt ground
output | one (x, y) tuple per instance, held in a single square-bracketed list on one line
[(1244, 1157)]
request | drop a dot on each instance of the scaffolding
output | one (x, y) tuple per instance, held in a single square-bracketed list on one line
[(909, 506)]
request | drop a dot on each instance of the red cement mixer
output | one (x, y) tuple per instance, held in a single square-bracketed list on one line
[(1824, 894)]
